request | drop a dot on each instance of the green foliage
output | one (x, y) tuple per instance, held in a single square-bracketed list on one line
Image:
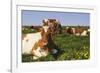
[(28, 29)]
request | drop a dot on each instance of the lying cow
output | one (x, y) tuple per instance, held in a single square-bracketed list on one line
[(77, 31), (39, 44), (53, 24)]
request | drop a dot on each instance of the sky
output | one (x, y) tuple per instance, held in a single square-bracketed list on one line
[(31, 17)]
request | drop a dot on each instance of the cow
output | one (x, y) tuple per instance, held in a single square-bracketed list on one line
[(54, 24), (38, 44), (77, 31)]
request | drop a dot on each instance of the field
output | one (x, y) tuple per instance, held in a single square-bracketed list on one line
[(71, 48)]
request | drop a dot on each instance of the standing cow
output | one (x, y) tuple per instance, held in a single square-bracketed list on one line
[(54, 24), (77, 31)]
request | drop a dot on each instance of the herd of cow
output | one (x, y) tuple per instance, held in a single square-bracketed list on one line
[(40, 44)]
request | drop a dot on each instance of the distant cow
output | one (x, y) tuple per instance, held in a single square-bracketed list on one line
[(54, 24), (77, 31)]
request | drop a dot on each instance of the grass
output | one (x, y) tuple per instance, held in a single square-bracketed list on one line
[(73, 47)]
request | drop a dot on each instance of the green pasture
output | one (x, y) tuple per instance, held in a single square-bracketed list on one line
[(72, 48)]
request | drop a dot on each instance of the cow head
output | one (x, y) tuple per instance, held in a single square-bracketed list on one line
[(45, 34), (41, 47)]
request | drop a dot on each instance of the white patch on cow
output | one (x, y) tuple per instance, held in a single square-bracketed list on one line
[(45, 28), (45, 20), (39, 53), (54, 51), (77, 34), (84, 33), (73, 30), (45, 43), (28, 45), (58, 21)]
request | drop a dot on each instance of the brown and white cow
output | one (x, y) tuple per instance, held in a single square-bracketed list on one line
[(77, 31), (38, 44), (54, 24)]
